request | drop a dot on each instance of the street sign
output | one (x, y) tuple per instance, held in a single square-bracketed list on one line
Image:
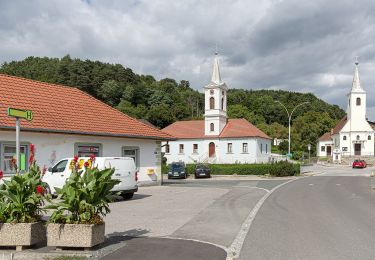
[(20, 113)]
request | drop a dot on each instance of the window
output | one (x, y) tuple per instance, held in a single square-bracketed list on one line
[(322, 148), (132, 152), (345, 149), (344, 137), (167, 148), (358, 102), (181, 150), (266, 148), (369, 137), (222, 104), (212, 103), (8, 153), (195, 148), (229, 148), (60, 166), (358, 137), (212, 127), (85, 150), (244, 148), (261, 148)]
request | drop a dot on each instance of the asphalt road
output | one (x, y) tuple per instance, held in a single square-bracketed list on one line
[(163, 249), (331, 216)]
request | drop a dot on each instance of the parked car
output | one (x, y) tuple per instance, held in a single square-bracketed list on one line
[(359, 164), (202, 170), (125, 171), (177, 170)]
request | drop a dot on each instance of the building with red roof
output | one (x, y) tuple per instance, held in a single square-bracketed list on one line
[(216, 139), (67, 122)]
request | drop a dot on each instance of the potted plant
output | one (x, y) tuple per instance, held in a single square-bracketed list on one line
[(77, 218), (21, 202)]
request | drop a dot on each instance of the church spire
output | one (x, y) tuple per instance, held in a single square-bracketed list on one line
[(216, 78), (356, 85)]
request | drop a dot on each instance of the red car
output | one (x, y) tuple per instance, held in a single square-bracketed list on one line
[(359, 164)]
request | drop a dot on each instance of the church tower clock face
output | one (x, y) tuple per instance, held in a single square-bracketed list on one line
[(211, 91)]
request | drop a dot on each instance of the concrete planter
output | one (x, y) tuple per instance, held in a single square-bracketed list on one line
[(22, 234), (75, 235)]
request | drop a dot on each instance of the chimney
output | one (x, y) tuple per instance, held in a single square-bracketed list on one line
[(331, 131)]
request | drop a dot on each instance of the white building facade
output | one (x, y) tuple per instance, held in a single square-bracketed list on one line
[(354, 134), (216, 139)]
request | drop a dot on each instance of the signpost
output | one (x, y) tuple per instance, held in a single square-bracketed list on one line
[(18, 114), (309, 148)]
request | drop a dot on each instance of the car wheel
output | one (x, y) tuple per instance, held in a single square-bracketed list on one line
[(185, 176), (128, 196)]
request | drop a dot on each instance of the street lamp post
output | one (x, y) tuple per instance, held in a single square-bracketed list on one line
[(290, 119)]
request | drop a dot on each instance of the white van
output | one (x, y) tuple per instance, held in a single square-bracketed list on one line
[(125, 171)]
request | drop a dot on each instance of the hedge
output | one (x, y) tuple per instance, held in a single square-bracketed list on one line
[(282, 168)]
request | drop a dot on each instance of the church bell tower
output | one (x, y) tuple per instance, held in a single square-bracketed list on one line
[(215, 92)]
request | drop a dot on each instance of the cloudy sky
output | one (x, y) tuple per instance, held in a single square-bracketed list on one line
[(295, 45)]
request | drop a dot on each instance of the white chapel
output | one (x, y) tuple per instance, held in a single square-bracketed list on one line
[(216, 139), (354, 134)]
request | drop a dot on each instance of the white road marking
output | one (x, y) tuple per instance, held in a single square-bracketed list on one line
[(338, 184), (311, 184)]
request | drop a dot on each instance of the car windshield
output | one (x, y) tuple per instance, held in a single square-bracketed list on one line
[(202, 167), (177, 167)]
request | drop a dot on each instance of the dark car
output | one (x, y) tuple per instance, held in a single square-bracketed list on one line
[(177, 170), (202, 170), (359, 164)]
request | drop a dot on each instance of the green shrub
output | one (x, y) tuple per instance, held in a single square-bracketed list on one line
[(276, 169), (85, 197), (22, 197), (284, 168)]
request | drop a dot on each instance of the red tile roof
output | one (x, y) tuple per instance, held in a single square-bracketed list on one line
[(326, 137), (339, 125), (62, 109), (235, 128)]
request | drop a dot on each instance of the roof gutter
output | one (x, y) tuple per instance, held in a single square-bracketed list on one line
[(56, 131)]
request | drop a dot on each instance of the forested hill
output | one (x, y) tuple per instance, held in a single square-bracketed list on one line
[(164, 101)]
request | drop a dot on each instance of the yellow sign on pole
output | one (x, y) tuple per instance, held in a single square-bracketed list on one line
[(20, 113)]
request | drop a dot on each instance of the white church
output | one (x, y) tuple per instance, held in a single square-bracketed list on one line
[(354, 134), (216, 139)]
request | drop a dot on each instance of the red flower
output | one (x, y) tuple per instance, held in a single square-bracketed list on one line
[(39, 190), (32, 148), (86, 164), (75, 159), (92, 157), (1, 174), (31, 158), (44, 170)]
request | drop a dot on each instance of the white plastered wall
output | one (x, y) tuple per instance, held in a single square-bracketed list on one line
[(52, 147)]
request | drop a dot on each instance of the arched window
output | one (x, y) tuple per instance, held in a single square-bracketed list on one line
[(212, 127), (222, 104), (344, 138), (358, 102), (358, 137), (369, 137), (212, 103)]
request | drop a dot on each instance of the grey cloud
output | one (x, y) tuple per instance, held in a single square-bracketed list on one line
[(293, 45)]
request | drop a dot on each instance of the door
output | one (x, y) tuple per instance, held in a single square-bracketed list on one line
[(211, 149), (357, 149), (58, 176), (124, 171), (329, 150)]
